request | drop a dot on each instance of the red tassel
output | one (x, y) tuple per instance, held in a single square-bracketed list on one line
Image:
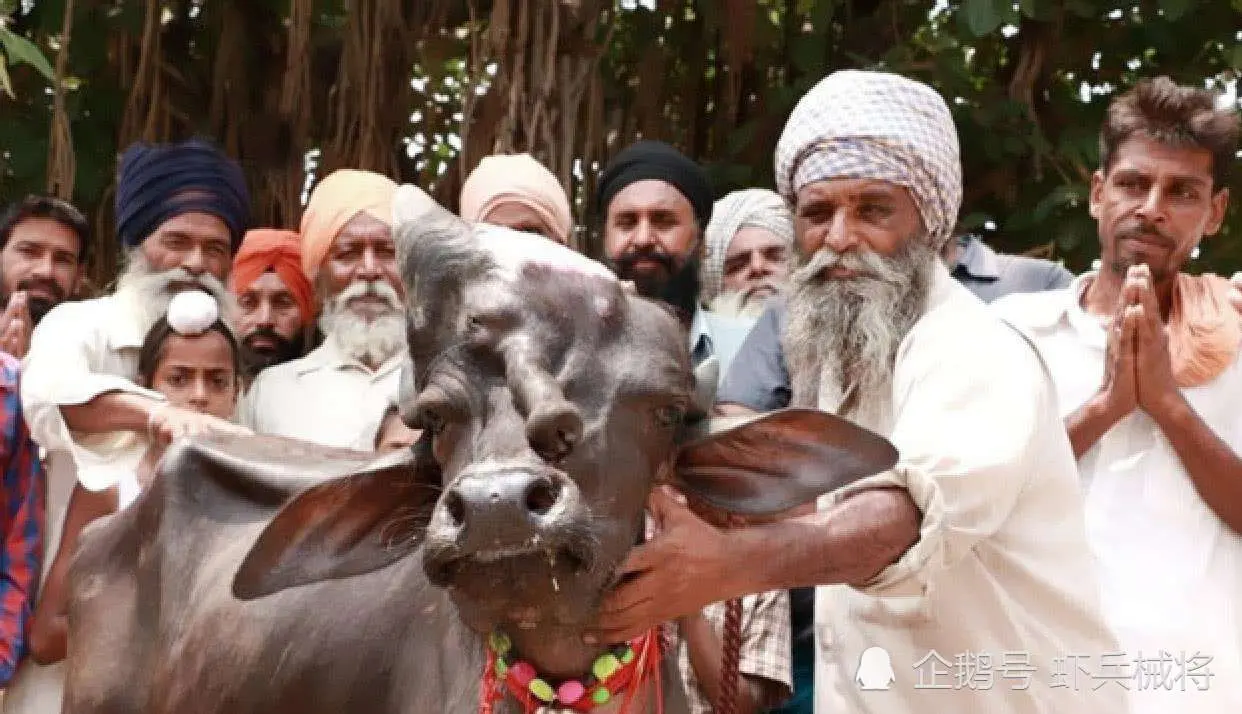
[(489, 692)]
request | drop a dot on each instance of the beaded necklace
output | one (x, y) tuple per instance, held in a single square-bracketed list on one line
[(623, 667)]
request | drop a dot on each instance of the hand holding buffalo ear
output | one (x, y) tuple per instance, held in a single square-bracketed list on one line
[(679, 572), (167, 423)]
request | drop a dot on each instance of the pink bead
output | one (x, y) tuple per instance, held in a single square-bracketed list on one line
[(522, 672), (570, 692)]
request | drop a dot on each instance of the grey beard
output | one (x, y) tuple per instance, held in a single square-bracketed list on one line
[(843, 334)]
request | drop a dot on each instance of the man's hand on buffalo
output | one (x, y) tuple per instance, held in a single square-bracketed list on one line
[(681, 570), (167, 423)]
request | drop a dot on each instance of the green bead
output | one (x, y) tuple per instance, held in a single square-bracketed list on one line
[(501, 667), (601, 696), (542, 689), (627, 655), (499, 642), (605, 666)]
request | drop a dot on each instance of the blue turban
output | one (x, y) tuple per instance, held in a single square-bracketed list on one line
[(159, 182)]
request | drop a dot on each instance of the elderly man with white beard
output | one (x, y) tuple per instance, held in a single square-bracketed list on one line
[(967, 564), (338, 394), (181, 211)]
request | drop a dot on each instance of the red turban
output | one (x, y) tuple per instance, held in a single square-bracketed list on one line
[(265, 249)]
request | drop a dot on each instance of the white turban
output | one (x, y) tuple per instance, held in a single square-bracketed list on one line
[(875, 125), (753, 207)]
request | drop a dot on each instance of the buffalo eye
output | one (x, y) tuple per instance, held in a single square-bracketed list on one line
[(670, 415)]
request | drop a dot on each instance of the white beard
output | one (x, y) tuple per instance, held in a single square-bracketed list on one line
[(147, 292), (843, 334), (372, 341), (739, 303)]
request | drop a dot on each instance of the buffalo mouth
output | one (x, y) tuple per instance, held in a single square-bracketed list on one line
[(448, 566)]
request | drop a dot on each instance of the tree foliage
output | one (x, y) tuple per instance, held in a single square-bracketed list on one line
[(423, 90)]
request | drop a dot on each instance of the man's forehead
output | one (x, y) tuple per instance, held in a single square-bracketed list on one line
[(363, 228), (649, 194), (850, 188), (1145, 155), (45, 232), (269, 283)]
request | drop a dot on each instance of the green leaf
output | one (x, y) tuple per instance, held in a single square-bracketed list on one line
[(8, 7), (19, 49), (1175, 9), (982, 16)]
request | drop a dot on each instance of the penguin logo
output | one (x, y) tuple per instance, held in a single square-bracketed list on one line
[(875, 669)]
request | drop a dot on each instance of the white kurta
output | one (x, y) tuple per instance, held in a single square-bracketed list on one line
[(77, 352), (324, 398), (1171, 569), (1000, 594)]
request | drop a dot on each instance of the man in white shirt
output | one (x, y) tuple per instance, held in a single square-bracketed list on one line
[(339, 393), (966, 565), (181, 211), (1145, 359)]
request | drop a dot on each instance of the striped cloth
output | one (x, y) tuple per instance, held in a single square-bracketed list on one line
[(765, 651), (874, 125), (23, 494)]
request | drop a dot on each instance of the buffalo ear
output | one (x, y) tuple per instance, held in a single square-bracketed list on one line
[(350, 525), (771, 463)]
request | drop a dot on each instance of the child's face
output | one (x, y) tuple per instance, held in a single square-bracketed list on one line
[(197, 373)]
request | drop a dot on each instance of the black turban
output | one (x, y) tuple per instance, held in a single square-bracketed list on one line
[(159, 182), (657, 160)]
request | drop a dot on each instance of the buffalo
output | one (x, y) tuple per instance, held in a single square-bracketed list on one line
[(264, 575)]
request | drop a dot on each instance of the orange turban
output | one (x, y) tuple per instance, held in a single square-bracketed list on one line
[(265, 249), (339, 197)]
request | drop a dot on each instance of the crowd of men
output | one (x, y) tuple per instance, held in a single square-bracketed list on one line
[(1066, 514)]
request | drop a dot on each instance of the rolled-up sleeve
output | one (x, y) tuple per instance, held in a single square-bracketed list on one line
[(64, 367), (966, 453)]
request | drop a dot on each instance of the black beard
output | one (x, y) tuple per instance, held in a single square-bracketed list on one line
[(680, 290), (38, 306), (259, 360)]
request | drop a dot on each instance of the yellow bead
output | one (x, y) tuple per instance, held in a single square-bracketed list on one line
[(542, 689)]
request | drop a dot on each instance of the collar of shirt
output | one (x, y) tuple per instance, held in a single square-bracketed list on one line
[(977, 260), (329, 356), (1049, 310), (700, 337)]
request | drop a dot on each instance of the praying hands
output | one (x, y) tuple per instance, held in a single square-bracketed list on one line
[(1142, 348)]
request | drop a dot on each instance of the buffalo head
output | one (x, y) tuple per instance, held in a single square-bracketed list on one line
[(551, 398)]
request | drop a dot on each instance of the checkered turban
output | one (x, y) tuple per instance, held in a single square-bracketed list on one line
[(752, 207), (875, 125)]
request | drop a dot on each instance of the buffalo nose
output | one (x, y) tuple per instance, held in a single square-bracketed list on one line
[(510, 497)]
